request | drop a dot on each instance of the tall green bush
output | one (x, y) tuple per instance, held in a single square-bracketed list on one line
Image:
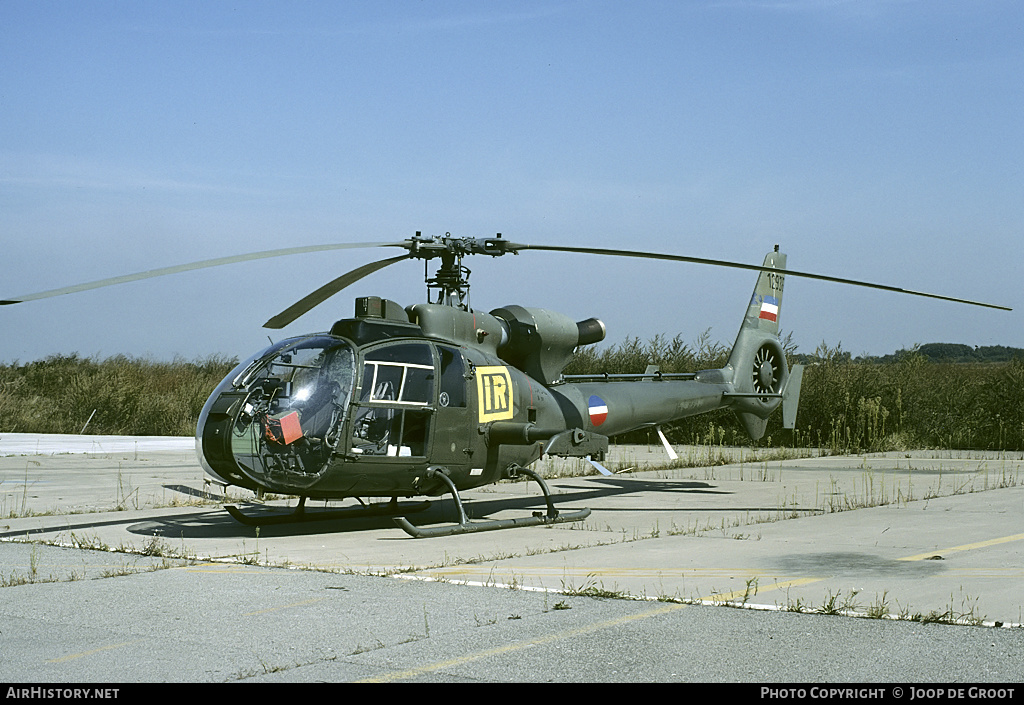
[(119, 395)]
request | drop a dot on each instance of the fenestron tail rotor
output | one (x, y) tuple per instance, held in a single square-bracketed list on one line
[(767, 371)]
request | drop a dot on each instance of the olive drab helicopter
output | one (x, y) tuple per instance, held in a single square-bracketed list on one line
[(436, 398)]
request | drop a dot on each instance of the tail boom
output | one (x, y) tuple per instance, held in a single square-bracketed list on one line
[(751, 384)]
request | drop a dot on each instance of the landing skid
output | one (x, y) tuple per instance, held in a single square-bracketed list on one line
[(465, 526), (300, 514)]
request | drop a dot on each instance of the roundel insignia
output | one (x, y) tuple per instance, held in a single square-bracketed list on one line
[(598, 410)]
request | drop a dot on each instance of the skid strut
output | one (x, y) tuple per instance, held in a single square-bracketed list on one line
[(301, 515), (465, 526)]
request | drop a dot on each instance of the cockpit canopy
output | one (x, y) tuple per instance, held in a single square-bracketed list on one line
[(281, 413), (280, 417)]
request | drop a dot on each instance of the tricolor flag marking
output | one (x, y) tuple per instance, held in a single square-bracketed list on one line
[(598, 410), (769, 309)]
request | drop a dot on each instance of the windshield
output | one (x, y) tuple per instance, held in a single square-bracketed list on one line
[(290, 410)]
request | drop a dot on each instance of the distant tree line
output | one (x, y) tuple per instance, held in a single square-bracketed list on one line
[(953, 353)]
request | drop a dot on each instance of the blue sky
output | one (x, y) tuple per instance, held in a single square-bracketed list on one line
[(880, 140)]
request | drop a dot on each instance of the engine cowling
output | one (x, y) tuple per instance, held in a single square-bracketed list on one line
[(541, 342)]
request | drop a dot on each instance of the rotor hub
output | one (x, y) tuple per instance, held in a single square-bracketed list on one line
[(450, 284)]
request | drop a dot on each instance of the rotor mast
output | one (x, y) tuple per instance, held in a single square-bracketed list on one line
[(450, 284)]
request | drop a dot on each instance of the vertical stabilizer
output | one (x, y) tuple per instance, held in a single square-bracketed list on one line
[(763, 310), (757, 360)]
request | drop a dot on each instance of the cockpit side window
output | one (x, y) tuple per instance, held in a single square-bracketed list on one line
[(402, 373), (393, 411), (453, 378), (404, 353)]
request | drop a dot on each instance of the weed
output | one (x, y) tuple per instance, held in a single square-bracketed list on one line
[(123, 497), (879, 609), (118, 572), (750, 591), (14, 579), (91, 543), (360, 649), (591, 588), (834, 605), (798, 605)]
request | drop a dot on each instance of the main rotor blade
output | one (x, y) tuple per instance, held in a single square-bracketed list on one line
[(193, 265), (755, 267), (328, 290)]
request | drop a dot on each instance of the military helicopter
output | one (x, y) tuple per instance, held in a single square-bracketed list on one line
[(434, 398)]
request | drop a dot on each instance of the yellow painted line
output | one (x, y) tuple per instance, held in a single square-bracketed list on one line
[(726, 596), (284, 607), (965, 547), (597, 626), (90, 653)]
